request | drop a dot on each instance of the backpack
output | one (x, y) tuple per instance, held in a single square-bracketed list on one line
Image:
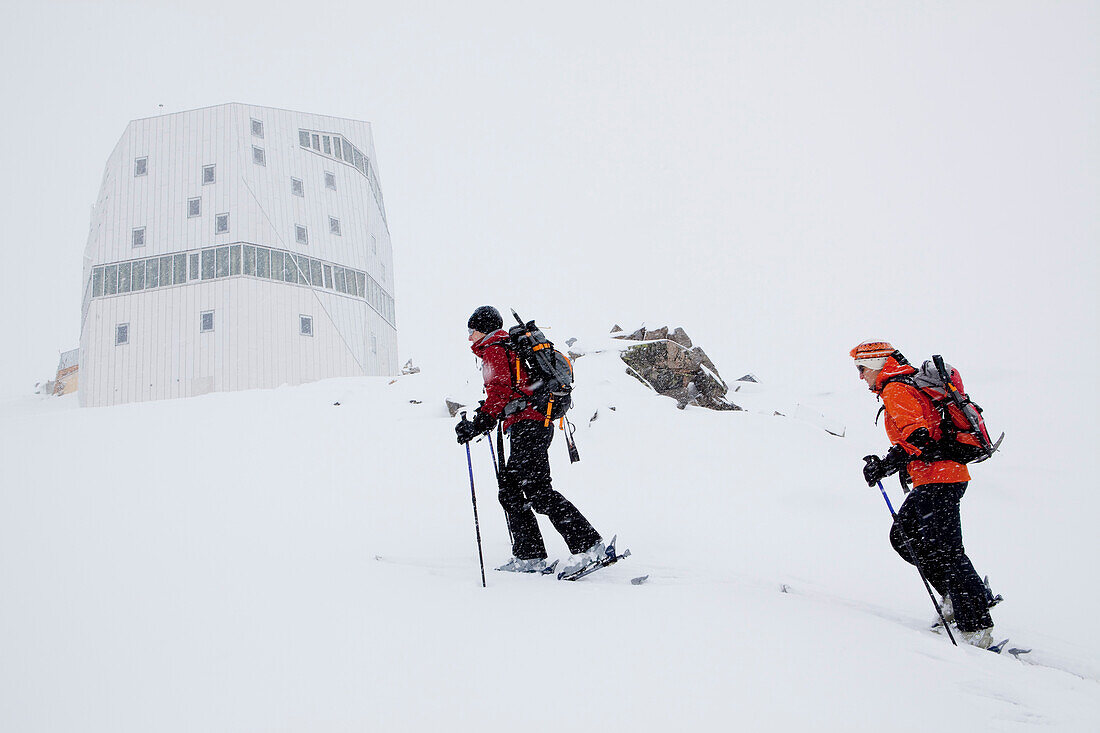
[(549, 372), (965, 437)]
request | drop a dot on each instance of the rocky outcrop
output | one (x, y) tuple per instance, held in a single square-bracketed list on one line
[(670, 365)]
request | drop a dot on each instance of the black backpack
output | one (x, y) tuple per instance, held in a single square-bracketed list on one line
[(549, 372)]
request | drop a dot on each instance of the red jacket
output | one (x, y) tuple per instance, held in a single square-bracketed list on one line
[(505, 379), (908, 409)]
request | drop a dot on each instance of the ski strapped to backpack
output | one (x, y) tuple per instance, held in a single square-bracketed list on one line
[(965, 436), (550, 377)]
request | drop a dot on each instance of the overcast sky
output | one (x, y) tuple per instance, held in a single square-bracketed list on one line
[(782, 179)]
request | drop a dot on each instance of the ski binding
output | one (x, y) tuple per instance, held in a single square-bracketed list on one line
[(610, 557)]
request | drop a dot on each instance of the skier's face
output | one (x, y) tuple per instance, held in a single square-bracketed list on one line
[(870, 376), (475, 335)]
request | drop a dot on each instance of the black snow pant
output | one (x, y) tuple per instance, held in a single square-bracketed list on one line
[(929, 518), (525, 488)]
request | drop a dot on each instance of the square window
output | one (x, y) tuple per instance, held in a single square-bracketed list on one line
[(141, 167), (258, 156), (296, 187), (194, 208), (303, 138), (330, 181), (301, 235), (305, 325), (138, 237), (152, 273), (193, 265), (122, 334), (257, 128), (206, 321), (207, 174), (221, 223), (334, 226)]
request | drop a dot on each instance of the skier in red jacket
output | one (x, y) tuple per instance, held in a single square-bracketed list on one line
[(525, 483), (929, 516)]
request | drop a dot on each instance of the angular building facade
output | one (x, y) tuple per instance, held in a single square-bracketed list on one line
[(236, 247)]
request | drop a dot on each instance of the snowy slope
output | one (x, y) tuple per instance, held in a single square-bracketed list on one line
[(272, 561)]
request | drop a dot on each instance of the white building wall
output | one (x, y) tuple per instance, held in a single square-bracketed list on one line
[(255, 342)]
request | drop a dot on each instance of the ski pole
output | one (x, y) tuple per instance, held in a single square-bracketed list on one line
[(927, 585), (496, 470), (473, 498)]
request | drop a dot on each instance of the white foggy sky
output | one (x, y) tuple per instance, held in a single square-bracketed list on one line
[(782, 179)]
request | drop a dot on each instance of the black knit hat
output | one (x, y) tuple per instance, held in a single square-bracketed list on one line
[(485, 319)]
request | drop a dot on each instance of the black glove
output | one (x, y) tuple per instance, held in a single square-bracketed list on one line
[(930, 450), (467, 430), (877, 468)]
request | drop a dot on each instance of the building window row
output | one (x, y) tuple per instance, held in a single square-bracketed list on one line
[(239, 259), (338, 148), (206, 325), (194, 210)]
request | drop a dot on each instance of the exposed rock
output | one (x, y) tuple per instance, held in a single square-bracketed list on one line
[(660, 333), (680, 336), (684, 373), (570, 342), (747, 378), (616, 328), (453, 407)]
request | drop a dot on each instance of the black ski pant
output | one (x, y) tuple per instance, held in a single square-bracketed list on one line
[(929, 519), (525, 488)]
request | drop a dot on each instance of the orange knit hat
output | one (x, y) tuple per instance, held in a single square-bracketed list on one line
[(872, 354)]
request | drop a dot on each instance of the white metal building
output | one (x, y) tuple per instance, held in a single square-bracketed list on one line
[(236, 247)]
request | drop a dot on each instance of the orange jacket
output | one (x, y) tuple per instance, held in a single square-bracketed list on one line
[(908, 409)]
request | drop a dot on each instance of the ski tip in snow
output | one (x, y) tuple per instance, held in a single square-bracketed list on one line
[(998, 647), (1016, 651)]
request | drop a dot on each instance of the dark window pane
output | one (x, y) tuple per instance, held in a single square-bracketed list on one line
[(290, 271), (124, 277), (165, 271), (328, 276), (341, 282), (263, 262), (326, 141), (222, 259), (347, 151), (315, 272), (359, 284), (97, 282), (179, 269), (235, 260), (152, 273), (207, 264), (249, 257), (137, 276), (111, 274), (336, 147), (316, 142), (303, 138), (194, 262), (303, 270), (276, 265)]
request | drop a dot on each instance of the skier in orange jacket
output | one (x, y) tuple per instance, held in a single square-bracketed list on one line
[(929, 516)]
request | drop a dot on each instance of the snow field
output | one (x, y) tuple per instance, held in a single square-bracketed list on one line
[(269, 561)]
